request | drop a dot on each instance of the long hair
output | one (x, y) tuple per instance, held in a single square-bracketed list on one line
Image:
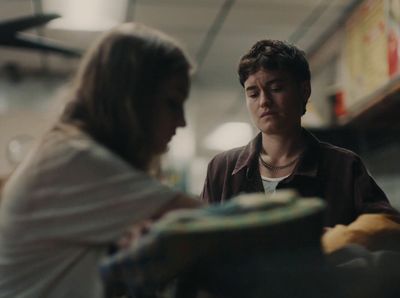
[(115, 83)]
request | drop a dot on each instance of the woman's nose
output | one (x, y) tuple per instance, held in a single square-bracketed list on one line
[(181, 121)]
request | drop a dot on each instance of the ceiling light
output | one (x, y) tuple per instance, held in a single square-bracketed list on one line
[(88, 15), (229, 135)]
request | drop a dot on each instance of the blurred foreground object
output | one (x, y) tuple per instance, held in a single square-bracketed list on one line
[(365, 256), (238, 249), (372, 231)]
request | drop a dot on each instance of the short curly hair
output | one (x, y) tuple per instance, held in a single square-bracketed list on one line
[(274, 55)]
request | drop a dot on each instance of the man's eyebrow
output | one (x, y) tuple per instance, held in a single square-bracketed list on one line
[(278, 80), (254, 87)]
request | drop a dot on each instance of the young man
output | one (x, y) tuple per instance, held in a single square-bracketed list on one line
[(276, 79)]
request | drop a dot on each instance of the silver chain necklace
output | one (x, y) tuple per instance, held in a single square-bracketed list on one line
[(273, 168)]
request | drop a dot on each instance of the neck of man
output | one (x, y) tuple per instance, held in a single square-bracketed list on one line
[(278, 149)]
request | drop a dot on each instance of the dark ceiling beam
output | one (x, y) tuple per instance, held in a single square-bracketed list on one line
[(213, 32), (10, 27)]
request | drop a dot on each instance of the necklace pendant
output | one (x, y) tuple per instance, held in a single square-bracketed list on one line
[(274, 168)]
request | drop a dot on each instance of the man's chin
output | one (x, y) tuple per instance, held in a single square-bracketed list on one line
[(270, 130)]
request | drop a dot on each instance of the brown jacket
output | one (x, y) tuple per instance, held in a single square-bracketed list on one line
[(332, 173)]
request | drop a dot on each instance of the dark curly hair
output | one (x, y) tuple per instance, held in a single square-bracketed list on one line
[(274, 55)]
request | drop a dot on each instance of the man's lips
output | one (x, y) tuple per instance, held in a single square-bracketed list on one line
[(267, 113)]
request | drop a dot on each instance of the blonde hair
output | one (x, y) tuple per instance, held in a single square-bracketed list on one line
[(114, 84)]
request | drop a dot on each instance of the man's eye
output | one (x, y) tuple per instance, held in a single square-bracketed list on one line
[(276, 88)]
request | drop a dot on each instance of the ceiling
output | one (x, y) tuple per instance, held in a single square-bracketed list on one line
[(215, 32)]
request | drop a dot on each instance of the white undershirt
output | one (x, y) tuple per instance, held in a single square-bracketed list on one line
[(270, 185)]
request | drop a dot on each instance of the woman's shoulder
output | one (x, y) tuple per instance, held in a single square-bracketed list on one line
[(66, 148), (58, 144), (63, 135)]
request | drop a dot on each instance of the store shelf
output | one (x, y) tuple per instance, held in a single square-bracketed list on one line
[(380, 110)]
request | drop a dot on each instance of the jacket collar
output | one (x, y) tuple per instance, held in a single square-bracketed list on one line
[(248, 155), (307, 166)]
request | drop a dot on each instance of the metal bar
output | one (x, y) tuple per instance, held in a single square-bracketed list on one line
[(311, 19), (130, 11), (213, 31)]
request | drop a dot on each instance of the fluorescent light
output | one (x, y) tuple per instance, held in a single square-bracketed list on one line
[(86, 15), (229, 135)]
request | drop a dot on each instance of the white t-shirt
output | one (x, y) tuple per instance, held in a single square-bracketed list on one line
[(270, 184), (60, 210)]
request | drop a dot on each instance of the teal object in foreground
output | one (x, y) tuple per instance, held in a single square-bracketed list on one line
[(246, 211), (246, 225)]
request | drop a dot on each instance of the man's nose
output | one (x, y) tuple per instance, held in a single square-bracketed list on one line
[(265, 99)]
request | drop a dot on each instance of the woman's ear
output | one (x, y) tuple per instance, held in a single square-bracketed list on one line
[(305, 90)]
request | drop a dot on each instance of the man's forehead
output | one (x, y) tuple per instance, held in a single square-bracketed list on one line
[(268, 76)]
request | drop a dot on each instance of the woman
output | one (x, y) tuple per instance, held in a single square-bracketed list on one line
[(276, 79), (86, 183)]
